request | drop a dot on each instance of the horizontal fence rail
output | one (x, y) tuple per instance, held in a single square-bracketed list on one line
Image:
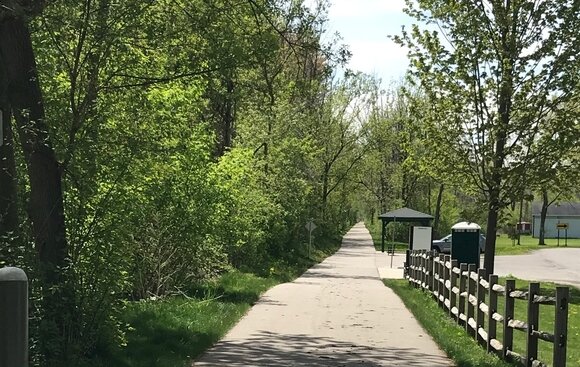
[(462, 290)]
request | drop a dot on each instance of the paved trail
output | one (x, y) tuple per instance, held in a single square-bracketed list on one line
[(337, 314), (560, 265)]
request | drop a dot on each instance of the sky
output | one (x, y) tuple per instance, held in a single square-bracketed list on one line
[(364, 26)]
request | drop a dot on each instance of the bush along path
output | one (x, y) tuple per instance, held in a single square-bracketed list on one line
[(172, 331), (337, 313)]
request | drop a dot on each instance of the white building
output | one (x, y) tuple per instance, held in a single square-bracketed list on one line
[(562, 213)]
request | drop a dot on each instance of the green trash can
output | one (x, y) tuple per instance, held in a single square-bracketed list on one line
[(465, 243)]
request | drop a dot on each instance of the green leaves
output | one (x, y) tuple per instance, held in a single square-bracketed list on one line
[(495, 75), (193, 137)]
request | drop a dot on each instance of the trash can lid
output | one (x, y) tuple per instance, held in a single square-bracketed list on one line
[(466, 225), (11, 274)]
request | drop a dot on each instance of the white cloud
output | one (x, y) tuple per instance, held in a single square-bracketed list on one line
[(384, 58), (365, 26)]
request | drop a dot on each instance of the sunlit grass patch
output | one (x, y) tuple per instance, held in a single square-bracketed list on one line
[(505, 246), (451, 338)]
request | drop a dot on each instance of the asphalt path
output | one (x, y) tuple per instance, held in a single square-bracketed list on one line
[(338, 313), (559, 265)]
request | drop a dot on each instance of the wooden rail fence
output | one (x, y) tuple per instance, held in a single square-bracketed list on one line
[(470, 297)]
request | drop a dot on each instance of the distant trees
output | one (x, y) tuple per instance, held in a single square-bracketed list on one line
[(497, 75)]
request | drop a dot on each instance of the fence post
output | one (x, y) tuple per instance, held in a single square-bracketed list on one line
[(424, 269), (441, 283), (434, 273), (414, 271), (407, 264), (508, 315), (414, 268), (471, 287), (533, 320), (13, 317), (414, 262), (417, 269), (452, 295), (462, 288), (420, 269), (491, 323), (430, 265), (480, 321), (447, 278), (561, 326), (411, 266)]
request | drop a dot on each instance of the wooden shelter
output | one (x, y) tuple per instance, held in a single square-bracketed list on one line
[(403, 215)]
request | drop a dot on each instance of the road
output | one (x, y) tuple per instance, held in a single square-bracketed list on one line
[(561, 265), (336, 314)]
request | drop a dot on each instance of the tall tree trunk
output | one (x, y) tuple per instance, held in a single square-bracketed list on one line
[(489, 258), (270, 94), (494, 205), (45, 206), (543, 214), (519, 226), (429, 198), (384, 191), (438, 209), (404, 196), (228, 116), (325, 189), (508, 50), (8, 192), (223, 107), (46, 201)]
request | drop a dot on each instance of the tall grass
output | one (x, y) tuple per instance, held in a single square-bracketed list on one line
[(172, 332)]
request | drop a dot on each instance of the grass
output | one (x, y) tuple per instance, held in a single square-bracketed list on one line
[(546, 323), (173, 331), (504, 245), (463, 349), (451, 338)]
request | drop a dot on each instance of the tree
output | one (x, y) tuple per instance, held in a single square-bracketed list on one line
[(493, 71), (8, 189), (25, 100), (561, 185), (45, 206), (385, 134)]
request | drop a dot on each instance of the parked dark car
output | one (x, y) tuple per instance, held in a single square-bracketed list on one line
[(444, 245)]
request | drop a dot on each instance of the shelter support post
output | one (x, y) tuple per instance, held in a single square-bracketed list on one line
[(383, 223)]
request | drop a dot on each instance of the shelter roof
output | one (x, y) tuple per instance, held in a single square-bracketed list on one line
[(405, 215)]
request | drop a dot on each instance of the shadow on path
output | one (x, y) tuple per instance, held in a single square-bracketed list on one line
[(276, 350)]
